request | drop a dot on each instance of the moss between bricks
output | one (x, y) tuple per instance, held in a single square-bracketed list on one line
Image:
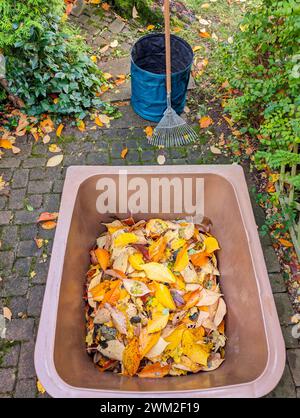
[(5, 346)]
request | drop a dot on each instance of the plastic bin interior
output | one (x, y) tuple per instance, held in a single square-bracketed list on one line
[(255, 354)]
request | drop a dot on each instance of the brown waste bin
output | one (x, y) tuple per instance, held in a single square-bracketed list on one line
[(255, 353)]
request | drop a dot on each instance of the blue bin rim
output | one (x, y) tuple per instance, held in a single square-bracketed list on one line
[(155, 74)]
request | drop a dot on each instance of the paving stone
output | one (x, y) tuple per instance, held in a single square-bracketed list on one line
[(27, 249), (97, 158), (277, 283), (15, 286), (35, 200), (20, 329), (35, 302), (290, 341), (116, 26), (16, 199), (6, 173), (6, 260), (3, 201), (293, 356), (148, 155), (285, 388), (271, 260), (39, 186), (284, 308), (25, 217), (39, 150), (22, 266), (58, 186), (34, 162), (51, 202), (11, 357), (20, 178), (74, 160), (5, 216), (9, 237), (7, 380), (28, 232), (298, 392), (41, 270), (10, 162), (18, 305), (26, 361), (37, 173), (25, 388)]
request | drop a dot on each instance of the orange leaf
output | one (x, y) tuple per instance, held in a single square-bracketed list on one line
[(113, 295), (39, 242), (182, 260), (191, 298), (285, 242), (221, 327), (59, 130), (148, 131), (81, 125), (147, 341), (204, 35), (157, 249), (205, 121), (48, 225), (154, 371), (124, 153), (98, 121), (199, 259), (132, 357), (105, 6), (5, 143), (47, 216), (102, 257)]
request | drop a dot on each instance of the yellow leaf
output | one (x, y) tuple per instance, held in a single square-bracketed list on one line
[(193, 350), (98, 121), (205, 121), (56, 100), (211, 245), (174, 339), (159, 321), (124, 153), (114, 44), (95, 1), (104, 119), (7, 313), (205, 6), (148, 131), (107, 76), (5, 143), (228, 120), (39, 242), (59, 130), (125, 239), (197, 48), (136, 260), (81, 125), (182, 260), (54, 161), (177, 243), (150, 27), (157, 249), (147, 341), (163, 295), (159, 272), (40, 387), (177, 29), (244, 27), (54, 148), (94, 59)]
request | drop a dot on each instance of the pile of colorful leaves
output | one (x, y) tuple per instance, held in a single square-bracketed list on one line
[(153, 300)]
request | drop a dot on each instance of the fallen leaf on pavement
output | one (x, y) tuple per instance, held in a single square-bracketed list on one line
[(114, 43), (150, 27), (204, 34), (48, 216), (46, 139), (98, 121), (48, 225), (124, 153), (107, 76), (59, 130), (5, 143), (285, 242), (215, 150), (7, 313), (148, 131), (104, 119), (15, 150), (81, 125), (39, 242), (54, 148), (161, 159), (228, 120), (197, 48), (206, 121), (94, 59), (134, 13), (40, 387), (54, 161)]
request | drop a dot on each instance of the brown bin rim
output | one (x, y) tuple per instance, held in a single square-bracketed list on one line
[(44, 349)]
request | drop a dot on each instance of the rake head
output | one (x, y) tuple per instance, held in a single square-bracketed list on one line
[(172, 131)]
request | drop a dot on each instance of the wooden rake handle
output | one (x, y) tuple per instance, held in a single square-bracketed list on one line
[(168, 45)]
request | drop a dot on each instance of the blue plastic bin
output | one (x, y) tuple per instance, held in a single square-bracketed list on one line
[(148, 78)]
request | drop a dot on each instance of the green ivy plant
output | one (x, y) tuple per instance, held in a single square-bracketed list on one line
[(263, 65), (145, 9), (47, 62)]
